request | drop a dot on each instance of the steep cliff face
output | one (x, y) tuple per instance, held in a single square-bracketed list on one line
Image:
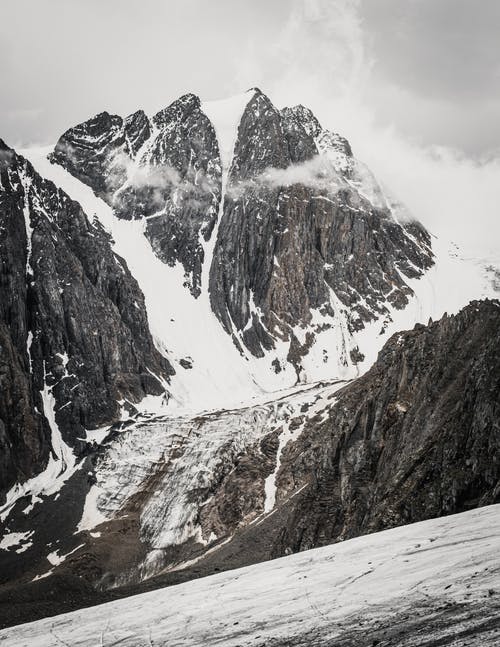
[(166, 171), (75, 338), (417, 437), (300, 244), (96, 150)]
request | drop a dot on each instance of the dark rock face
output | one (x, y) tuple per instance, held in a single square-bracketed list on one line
[(86, 150), (72, 319), (297, 231), (173, 182), (417, 437), (288, 240)]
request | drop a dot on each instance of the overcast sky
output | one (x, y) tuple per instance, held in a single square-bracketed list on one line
[(414, 84)]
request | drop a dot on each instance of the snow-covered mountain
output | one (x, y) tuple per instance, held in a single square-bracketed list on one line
[(189, 306), (431, 583), (256, 229)]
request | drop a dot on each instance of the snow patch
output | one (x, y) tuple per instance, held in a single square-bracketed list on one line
[(60, 467), (12, 539)]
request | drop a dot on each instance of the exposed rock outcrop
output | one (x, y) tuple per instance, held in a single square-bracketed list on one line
[(298, 236), (167, 171), (72, 324), (417, 437)]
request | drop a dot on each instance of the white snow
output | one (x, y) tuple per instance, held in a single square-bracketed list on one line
[(270, 482), (91, 516), (97, 435), (61, 465), (453, 281), (225, 115), (12, 539), (358, 585), (26, 182), (55, 559)]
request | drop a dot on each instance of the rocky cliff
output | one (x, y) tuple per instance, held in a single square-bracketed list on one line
[(75, 338), (417, 437), (166, 170), (299, 244)]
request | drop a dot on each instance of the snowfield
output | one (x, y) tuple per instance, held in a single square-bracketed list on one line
[(431, 583)]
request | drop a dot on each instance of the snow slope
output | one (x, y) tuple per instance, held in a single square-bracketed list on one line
[(434, 582)]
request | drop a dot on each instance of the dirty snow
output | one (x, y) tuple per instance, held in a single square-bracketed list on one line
[(415, 573)]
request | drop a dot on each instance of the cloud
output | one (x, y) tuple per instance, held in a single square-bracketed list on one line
[(156, 176), (323, 59), (317, 173)]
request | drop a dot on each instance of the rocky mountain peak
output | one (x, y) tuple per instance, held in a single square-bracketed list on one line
[(137, 131), (177, 110), (259, 144), (305, 117)]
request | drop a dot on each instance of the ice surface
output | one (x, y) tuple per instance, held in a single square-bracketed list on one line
[(391, 579), (190, 452)]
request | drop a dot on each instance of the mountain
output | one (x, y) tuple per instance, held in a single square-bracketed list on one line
[(190, 306), (75, 337), (433, 583), (284, 232)]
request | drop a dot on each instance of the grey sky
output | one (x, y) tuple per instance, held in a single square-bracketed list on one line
[(435, 64), (442, 59)]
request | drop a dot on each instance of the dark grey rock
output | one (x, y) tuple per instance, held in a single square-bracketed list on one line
[(416, 437), (63, 293), (284, 248), (174, 184)]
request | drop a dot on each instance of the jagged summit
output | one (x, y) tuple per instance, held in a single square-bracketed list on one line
[(177, 110), (305, 117)]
